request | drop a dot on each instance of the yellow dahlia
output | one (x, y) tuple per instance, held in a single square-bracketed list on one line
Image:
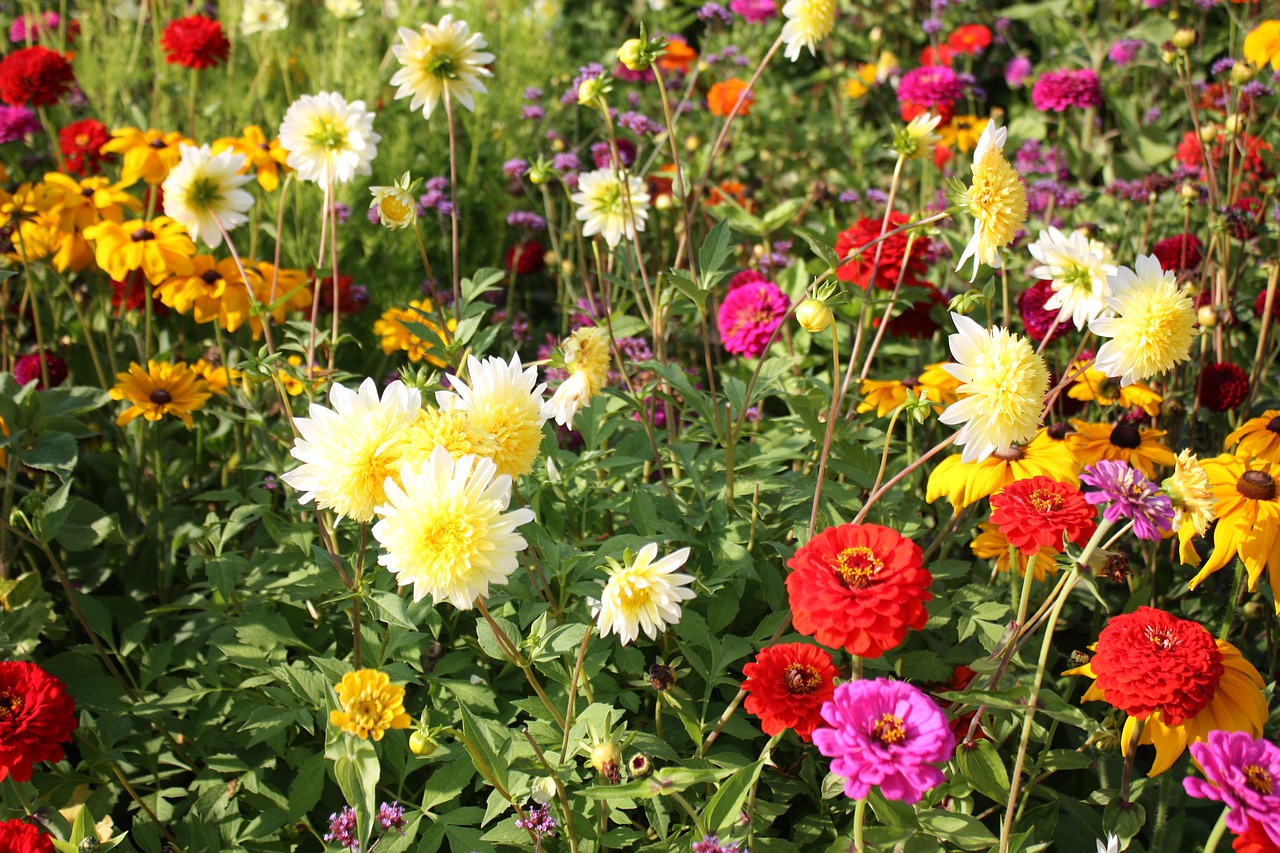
[(371, 705), (997, 200), (1153, 326), (438, 60), (500, 400), (964, 483), (1193, 503), (447, 428), (586, 357)]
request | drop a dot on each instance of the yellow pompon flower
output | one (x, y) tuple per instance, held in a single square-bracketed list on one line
[(1092, 385), (501, 400), (265, 157), (447, 428), (1123, 442), (1262, 45), (1248, 519), (162, 389), (1193, 503), (992, 544), (371, 705), (963, 132), (964, 483), (1004, 383), (79, 204), (644, 594), (586, 357), (446, 530), (860, 83), (1258, 437), (218, 377), (997, 200), (148, 155), (807, 23), (160, 248), (940, 384), (1153, 325), (396, 335)]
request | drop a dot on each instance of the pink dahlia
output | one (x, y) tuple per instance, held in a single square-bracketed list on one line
[(750, 314), (931, 88), (1240, 773), (886, 733), (755, 11), (16, 123), (1060, 90), (1036, 319)]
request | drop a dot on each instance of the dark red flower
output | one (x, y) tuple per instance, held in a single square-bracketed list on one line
[(1260, 304), (917, 321), (36, 718), (18, 836), (892, 250), (352, 298), (526, 258), (35, 75), (27, 368), (195, 42), (1223, 386), (81, 143), (1254, 840), (131, 295), (941, 55), (859, 587), (1035, 318), (1179, 252), (786, 686), (1040, 511)]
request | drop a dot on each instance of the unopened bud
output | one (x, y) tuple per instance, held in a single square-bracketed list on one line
[(1188, 191), (1243, 72), (1253, 611), (1207, 316), (692, 143), (639, 767), (1168, 56), (662, 677), (1183, 39), (592, 90), (605, 759), (1208, 133), (632, 55), (1235, 123), (543, 789), (814, 315), (422, 744)]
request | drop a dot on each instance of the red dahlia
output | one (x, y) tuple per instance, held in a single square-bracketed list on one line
[(35, 75), (860, 587), (1036, 320), (1260, 305), (917, 320), (1150, 660), (526, 258), (18, 836), (81, 143), (1254, 840), (195, 42), (1177, 253), (36, 718), (1223, 386), (786, 686), (1039, 511), (858, 270)]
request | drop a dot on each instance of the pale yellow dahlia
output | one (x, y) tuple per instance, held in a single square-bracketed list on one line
[(586, 357), (1153, 327), (807, 23), (439, 59), (501, 401), (997, 200), (371, 705), (644, 594)]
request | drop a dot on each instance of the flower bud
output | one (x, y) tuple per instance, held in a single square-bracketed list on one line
[(1188, 192), (540, 172), (1208, 133), (1183, 39), (605, 760), (1235, 123), (1243, 72), (692, 143), (543, 789), (632, 54), (1207, 317), (592, 90), (1253, 611), (422, 744), (814, 315), (639, 767), (662, 677), (1168, 56)]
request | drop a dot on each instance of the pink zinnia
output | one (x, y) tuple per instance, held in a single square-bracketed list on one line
[(1240, 773), (1060, 90), (755, 11), (751, 312), (17, 122), (930, 88), (885, 733)]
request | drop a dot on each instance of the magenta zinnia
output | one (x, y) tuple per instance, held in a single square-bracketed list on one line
[(749, 316), (1240, 772)]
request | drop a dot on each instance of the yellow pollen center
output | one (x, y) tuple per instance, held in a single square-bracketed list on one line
[(1046, 501), (889, 730), (1258, 779), (801, 679), (1162, 639), (857, 567), (10, 704)]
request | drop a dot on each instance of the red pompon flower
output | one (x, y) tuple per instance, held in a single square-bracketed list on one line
[(860, 587), (526, 258), (1254, 840), (195, 42), (1179, 252), (36, 718), (892, 251), (1036, 319), (1223, 386), (18, 836), (81, 143), (1039, 511), (35, 75), (1150, 660), (971, 39), (786, 686)]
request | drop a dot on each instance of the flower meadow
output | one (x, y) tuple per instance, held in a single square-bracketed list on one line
[(775, 425)]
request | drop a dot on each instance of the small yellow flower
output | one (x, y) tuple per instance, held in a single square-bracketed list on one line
[(1258, 437), (79, 204), (1193, 503), (263, 156), (148, 155), (218, 377), (586, 357), (997, 200), (991, 544), (963, 132), (1092, 385), (396, 335), (395, 206), (162, 389), (1121, 442), (371, 705), (861, 82)]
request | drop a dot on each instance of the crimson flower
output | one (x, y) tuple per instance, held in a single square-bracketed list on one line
[(195, 42), (35, 75), (81, 143), (892, 252), (1040, 511), (786, 686), (18, 836), (36, 718)]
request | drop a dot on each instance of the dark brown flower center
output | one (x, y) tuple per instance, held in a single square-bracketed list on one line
[(1257, 486), (1012, 453), (161, 397), (910, 382), (857, 567), (87, 192), (889, 730), (801, 679), (10, 704), (1258, 779), (1059, 431), (1273, 425), (262, 146), (1125, 435), (210, 276), (142, 234), (157, 144)]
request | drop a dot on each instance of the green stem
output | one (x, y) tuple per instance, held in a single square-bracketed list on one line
[(23, 799), (684, 804), (1028, 578), (859, 821), (1219, 830), (1230, 615)]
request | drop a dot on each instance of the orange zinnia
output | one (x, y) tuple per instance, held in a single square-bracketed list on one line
[(679, 56), (725, 95), (786, 686)]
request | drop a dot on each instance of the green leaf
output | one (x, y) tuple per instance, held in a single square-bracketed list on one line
[(485, 745), (822, 250), (357, 771), (390, 608), (307, 787), (715, 249), (982, 768), (51, 451), (725, 806), (489, 641), (961, 830)]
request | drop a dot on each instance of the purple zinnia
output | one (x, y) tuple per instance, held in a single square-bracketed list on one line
[(1061, 90), (515, 168), (1128, 494), (751, 312), (1125, 51), (886, 733), (755, 11), (342, 828), (17, 122), (1241, 773)]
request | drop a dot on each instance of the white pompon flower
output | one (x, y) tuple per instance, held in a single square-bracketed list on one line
[(807, 23), (1076, 269), (604, 207), (263, 16), (438, 59), (644, 594), (1153, 327), (329, 139), (203, 190), (502, 400)]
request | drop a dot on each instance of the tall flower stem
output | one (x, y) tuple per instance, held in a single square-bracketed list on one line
[(901, 475), (831, 426), (573, 691), (518, 659), (88, 333), (315, 297), (192, 93), (1028, 578), (888, 309), (675, 160), (333, 255), (453, 195), (1219, 830), (859, 824), (1229, 617), (29, 296)]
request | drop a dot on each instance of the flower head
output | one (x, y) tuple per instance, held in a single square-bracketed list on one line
[(1094, 386), (501, 400), (1153, 324), (1003, 383), (395, 205), (888, 734), (36, 76), (992, 544), (343, 829), (612, 204), (1057, 91), (1258, 437), (1222, 386), (1077, 269), (1039, 511), (644, 594), (1122, 442), (345, 10), (1248, 511), (328, 139), (396, 336), (18, 836), (1193, 502), (195, 42), (1262, 44), (860, 587), (997, 200), (1243, 773), (964, 483), (148, 155), (371, 705), (929, 89), (729, 96), (539, 821), (1128, 494), (162, 389), (807, 23), (750, 314), (893, 251), (786, 686), (36, 718), (81, 145), (263, 16), (438, 61), (586, 358), (16, 123), (918, 138), (263, 156), (203, 193)]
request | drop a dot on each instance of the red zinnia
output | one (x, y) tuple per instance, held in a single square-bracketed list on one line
[(81, 143), (1149, 660), (195, 42), (1223, 386), (971, 39), (1254, 840), (36, 75), (860, 587), (1179, 252), (18, 836), (36, 718), (526, 258), (786, 686), (941, 55), (858, 270), (1039, 511)]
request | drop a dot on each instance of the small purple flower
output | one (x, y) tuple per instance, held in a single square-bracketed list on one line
[(1017, 71), (1152, 115), (17, 122), (712, 844), (539, 821), (1125, 51), (515, 168), (533, 93), (885, 733), (755, 11), (1242, 773), (375, 218), (391, 816), (714, 13), (533, 113), (566, 162), (520, 328), (1128, 494), (1255, 89), (850, 197), (526, 219), (876, 196), (1222, 66), (638, 123), (931, 26), (342, 829), (342, 211)]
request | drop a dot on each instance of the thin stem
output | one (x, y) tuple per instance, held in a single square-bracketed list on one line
[(1229, 617), (1219, 830), (512, 652), (901, 475), (831, 426), (859, 824), (453, 195), (573, 692)]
